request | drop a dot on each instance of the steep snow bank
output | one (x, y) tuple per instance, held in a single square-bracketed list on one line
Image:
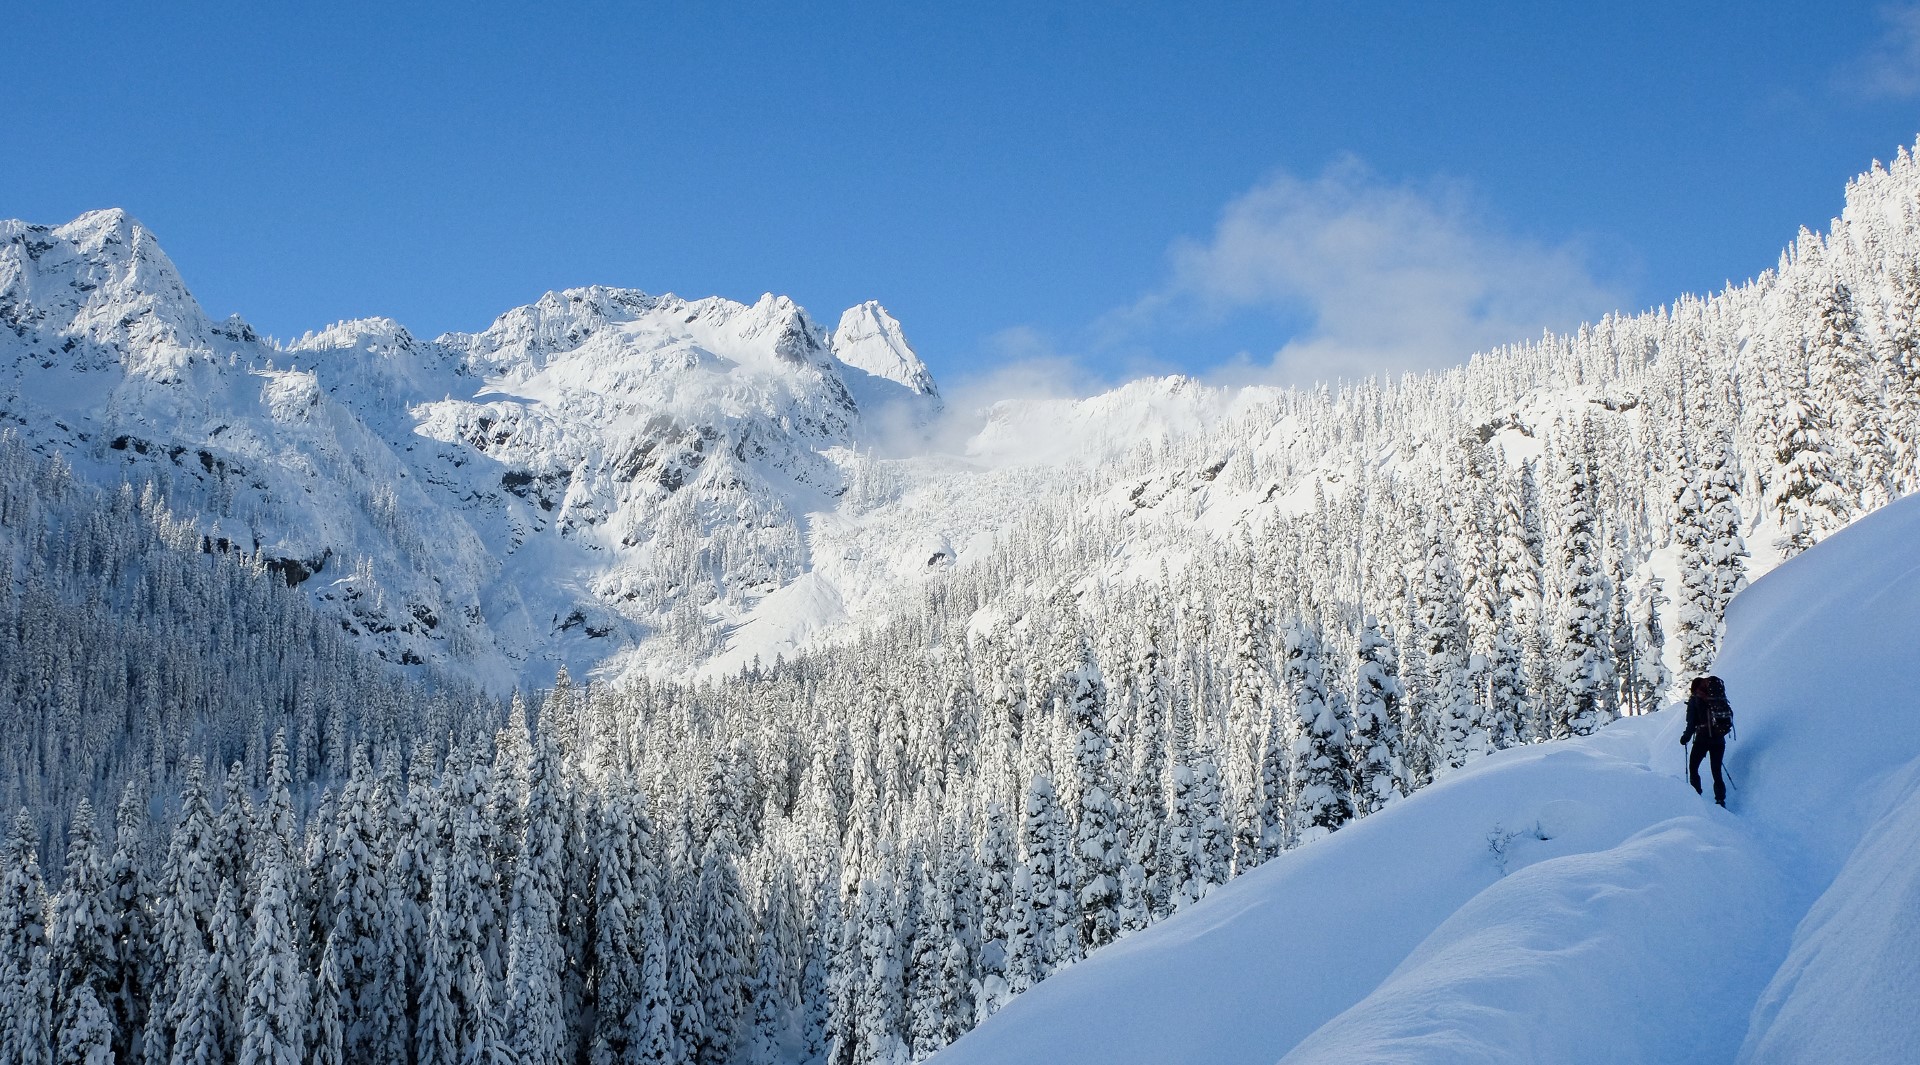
[(1824, 647), (1576, 902), (1847, 989)]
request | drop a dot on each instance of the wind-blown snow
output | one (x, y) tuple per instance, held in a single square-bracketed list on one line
[(1577, 902)]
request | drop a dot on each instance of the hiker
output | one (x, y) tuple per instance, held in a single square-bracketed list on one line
[(1709, 722)]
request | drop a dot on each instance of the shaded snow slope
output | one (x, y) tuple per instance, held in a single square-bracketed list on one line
[(1576, 902), (1855, 957)]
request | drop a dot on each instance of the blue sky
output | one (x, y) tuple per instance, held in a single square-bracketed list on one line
[(1070, 192)]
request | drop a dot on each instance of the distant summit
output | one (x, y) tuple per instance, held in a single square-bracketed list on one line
[(870, 339)]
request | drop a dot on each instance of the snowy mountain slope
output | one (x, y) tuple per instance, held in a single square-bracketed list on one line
[(908, 521), (596, 471), (1140, 469), (1575, 901), (628, 482)]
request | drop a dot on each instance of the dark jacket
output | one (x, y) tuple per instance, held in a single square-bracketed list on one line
[(1701, 704)]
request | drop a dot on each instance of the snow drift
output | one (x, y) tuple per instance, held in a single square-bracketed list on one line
[(1576, 901)]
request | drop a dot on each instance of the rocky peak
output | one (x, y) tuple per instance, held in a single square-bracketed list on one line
[(871, 340), (102, 278)]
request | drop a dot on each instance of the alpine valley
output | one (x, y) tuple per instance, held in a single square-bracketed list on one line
[(651, 679)]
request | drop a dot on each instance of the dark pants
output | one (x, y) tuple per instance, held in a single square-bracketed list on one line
[(1702, 747)]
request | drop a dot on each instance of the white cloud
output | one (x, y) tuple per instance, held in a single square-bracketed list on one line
[(1026, 364), (1386, 277), (1891, 68), (1020, 364)]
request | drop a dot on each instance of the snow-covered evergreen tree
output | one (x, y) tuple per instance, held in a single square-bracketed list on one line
[(932, 917), (958, 920), (1054, 934), (875, 1037), (534, 962), (125, 994), (1099, 851), (436, 1025), (1586, 670), (1447, 715), (1706, 529), (1650, 676), (1322, 795), (1143, 889), (1808, 498), (1899, 355), (185, 903), (488, 1040), (686, 998), (326, 1034), (1249, 706), (620, 949), (356, 886), (1518, 659), (1846, 379), (1378, 773), (26, 976), (775, 989), (1276, 784), (83, 948), (723, 918), (86, 1032), (1000, 917), (274, 1018)]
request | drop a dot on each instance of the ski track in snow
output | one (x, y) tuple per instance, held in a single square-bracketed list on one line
[(1633, 921)]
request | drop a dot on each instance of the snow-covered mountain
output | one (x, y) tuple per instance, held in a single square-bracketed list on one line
[(1038, 703), (1577, 902), (622, 482), (600, 470), (604, 479)]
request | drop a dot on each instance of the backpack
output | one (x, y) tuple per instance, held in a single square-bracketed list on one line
[(1719, 711)]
